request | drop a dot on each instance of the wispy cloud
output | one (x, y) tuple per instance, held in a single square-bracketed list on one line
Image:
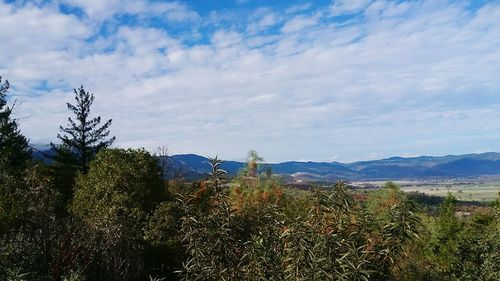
[(349, 78), (342, 7), (104, 9)]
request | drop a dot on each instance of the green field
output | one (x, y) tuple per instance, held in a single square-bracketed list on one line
[(462, 191)]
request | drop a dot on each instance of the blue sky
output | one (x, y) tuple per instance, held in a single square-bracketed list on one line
[(294, 80)]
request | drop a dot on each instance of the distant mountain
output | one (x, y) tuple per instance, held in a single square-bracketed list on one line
[(195, 166), (395, 168), (42, 152)]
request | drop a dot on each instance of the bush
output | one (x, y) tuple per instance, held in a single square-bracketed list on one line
[(27, 245), (113, 201)]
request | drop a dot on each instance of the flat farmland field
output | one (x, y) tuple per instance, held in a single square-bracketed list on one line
[(462, 191), (466, 190)]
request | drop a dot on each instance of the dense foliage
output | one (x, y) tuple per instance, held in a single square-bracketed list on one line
[(125, 222), (14, 149)]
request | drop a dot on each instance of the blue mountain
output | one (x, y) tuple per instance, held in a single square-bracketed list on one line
[(395, 168), (423, 167)]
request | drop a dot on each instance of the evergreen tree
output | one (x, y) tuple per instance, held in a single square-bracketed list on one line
[(14, 148), (84, 136)]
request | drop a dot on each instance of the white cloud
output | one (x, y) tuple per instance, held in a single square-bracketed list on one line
[(223, 39), (409, 78), (102, 9), (263, 23), (175, 11), (300, 22), (97, 8), (298, 8), (341, 7), (35, 39)]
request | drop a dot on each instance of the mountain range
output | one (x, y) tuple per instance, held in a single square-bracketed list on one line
[(395, 168)]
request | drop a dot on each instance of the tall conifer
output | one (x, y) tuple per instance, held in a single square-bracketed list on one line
[(84, 136), (14, 148)]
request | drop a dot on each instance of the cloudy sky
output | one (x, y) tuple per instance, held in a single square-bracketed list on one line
[(295, 80)]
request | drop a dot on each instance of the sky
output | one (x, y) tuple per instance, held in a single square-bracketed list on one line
[(295, 80)]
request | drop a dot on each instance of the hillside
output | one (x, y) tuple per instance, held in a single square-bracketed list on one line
[(423, 167), (395, 168)]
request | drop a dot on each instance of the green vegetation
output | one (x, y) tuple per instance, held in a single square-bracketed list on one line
[(14, 149), (116, 210), (122, 221), (477, 191)]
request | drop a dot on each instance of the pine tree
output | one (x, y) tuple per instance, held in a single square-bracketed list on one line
[(14, 148), (84, 136)]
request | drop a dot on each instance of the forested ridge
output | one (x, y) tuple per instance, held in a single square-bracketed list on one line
[(101, 213)]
